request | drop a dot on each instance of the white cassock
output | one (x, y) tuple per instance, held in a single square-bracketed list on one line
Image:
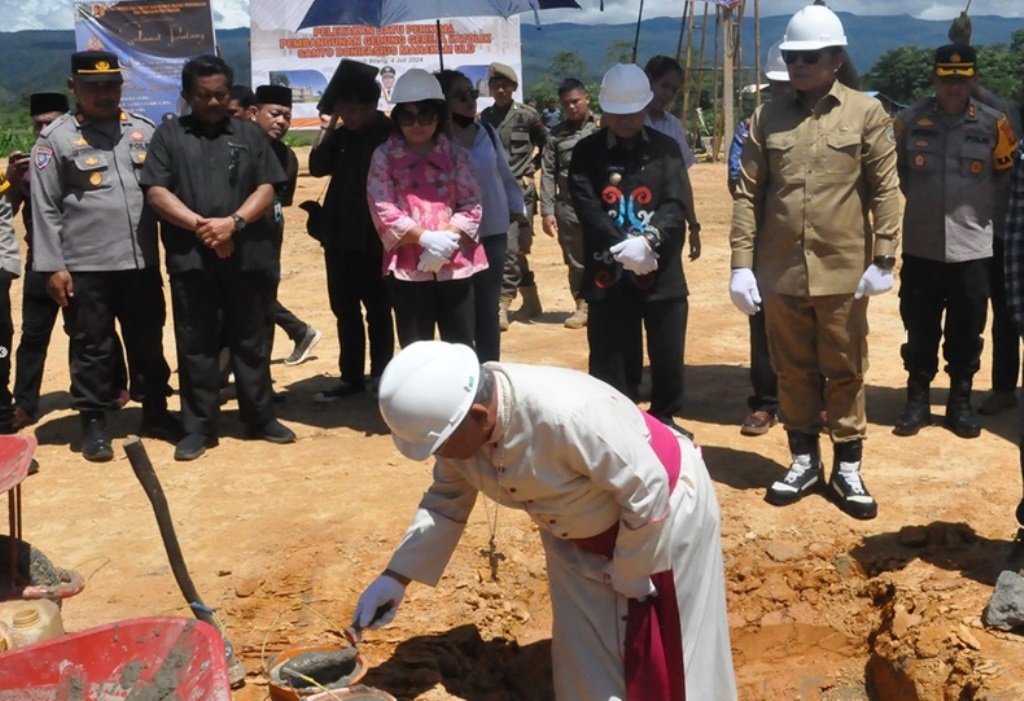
[(575, 454)]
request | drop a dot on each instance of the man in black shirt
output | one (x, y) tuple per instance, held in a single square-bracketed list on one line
[(211, 179), (272, 112), (627, 183), (352, 248)]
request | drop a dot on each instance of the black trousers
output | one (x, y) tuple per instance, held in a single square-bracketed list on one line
[(615, 337), (354, 282), (38, 315), (213, 307), (6, 342), (289, 323), (486, 298), (762, 377), (929, 288), (135, 300), (1006, 368), (420, 306)]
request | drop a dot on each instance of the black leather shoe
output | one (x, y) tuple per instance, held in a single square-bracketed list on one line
[(95, 439), (162, 425), (273, 431), (193, 446)]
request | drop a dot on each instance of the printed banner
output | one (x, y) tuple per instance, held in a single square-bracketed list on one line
[(306, 59), (152, 39)]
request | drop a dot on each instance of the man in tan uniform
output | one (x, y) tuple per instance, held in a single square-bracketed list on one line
[(815, 166)]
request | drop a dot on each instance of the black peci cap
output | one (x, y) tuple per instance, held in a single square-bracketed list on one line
[(352, 80), (43, 102), (96, 67), (274, 95), (955, 60)]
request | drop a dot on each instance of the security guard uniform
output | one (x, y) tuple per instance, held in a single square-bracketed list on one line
[(521, 129), (952, 171), (90, 219), (555, 198)]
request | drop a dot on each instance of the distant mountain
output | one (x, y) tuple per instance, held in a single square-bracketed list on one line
[(33, 61)]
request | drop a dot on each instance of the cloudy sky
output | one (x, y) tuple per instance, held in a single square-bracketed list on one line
[(57, 14)]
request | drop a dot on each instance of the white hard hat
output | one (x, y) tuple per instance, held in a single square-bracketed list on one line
[(425, 393), (625, 89), (416, 85), (813, 27), (775, 68)]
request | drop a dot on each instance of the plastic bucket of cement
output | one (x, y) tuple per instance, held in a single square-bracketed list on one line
[(306, 672)]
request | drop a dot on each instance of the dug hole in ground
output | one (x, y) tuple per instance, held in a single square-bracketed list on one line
[(282, 539)]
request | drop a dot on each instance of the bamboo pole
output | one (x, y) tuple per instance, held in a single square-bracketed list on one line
[(636, 38), (687, 80), (682, 31), (728, 96), (700, 56), (757, 52)]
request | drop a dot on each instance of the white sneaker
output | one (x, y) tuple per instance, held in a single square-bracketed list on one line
[(804, 473)]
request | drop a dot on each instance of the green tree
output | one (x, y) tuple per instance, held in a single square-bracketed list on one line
[(567, 64), (619, 51), (903, 74)]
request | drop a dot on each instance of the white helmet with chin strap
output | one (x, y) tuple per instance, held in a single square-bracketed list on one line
[(425, 393), (813, 27)]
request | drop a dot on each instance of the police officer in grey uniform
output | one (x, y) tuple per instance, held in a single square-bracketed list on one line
[(10, 268), (953, 157), (521, 129), (558, 217), (95, 236)]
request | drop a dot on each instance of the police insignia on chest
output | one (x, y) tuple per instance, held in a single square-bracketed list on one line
[(95, 179), (919, 160), (138, 136)]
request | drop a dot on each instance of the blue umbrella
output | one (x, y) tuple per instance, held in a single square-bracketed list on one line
[(381, 13)]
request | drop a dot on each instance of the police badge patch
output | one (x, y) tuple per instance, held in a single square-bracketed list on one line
[(43, 157)]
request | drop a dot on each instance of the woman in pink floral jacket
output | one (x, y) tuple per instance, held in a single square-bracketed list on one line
[(425, 202)]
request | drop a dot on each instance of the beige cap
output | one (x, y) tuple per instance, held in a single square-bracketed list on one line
[(500, 70)]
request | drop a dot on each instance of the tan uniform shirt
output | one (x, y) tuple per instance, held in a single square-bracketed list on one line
[(557, 157), (811, 183), (952, 169)]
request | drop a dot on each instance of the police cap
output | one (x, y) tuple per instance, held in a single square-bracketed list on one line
[(274, 95), (96, 67), (44, 102), (955, 60), (500, 70), (352, 81)]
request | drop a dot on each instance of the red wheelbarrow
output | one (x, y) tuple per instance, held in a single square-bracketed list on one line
[(165, 658)]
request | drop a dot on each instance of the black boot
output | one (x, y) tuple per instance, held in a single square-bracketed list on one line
[(846, 487), (959, 415), (95, 439), (159, 423), (805, 473), (917, 411)]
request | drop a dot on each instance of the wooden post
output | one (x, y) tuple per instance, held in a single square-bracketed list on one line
[(687, 73), (757, 52), (728, 52)]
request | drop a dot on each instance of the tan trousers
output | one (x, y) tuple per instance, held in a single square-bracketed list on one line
[(815, 340)]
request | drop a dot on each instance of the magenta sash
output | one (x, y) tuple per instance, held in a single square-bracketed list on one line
[(654, 638)]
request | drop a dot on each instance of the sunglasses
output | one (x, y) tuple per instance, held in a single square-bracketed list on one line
[(808, 57), (465, 95), (424, 119)]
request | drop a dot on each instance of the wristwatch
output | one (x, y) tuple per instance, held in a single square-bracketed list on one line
[(239, 220), (884, 262)]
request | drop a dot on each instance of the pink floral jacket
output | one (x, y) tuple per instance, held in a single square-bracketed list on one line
[(435, 191)]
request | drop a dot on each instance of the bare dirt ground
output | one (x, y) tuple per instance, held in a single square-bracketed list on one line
[(281, 539)]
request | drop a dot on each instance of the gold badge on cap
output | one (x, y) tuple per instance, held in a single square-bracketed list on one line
[(95, 179), (955, 58), (102, 66)]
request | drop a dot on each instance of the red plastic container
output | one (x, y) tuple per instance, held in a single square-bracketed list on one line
[(166, 658)]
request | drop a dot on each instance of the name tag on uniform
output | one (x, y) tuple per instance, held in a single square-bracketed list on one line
[(278, 212)]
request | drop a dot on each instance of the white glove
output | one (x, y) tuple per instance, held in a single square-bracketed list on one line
[(430, 263), (636, 255), (743, 291), (630, 586), (442, 244), (874, 281), (382, 591)]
